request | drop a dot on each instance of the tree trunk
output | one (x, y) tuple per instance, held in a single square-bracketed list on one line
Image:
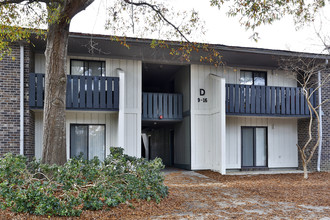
[(54, 132), (305, 170)]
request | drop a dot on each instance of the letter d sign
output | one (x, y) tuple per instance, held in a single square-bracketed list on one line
[(201, 92)]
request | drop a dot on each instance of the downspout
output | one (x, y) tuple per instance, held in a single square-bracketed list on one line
[(21, 148)]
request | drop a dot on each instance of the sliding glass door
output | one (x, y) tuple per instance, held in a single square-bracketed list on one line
[(254, 147)]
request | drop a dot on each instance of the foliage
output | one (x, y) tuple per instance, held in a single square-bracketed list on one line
[(79, 184), (14, 28), (254, 13)]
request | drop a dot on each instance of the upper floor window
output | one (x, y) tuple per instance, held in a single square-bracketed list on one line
[(257, 78), (87, 68)]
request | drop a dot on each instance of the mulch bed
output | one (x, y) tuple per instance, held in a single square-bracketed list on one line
[(281, 187), (186, 196)]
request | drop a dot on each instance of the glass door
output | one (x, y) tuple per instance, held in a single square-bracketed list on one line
[(254, 147)]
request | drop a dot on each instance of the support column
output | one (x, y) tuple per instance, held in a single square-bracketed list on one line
[(223, 125), (121, 113), (219, 116)]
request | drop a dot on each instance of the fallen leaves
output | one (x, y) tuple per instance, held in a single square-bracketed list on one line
[(193, 195)]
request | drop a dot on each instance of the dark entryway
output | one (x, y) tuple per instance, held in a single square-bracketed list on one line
[(165, 113)]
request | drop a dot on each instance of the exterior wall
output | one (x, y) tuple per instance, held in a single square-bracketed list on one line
[(108, 119), (282, 140), (325, 152), (303, 125), (133, 93), (207, 118), (10, 103)]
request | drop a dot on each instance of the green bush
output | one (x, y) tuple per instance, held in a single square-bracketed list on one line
[(79, 184)]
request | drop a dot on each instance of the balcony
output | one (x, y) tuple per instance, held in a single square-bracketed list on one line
[(161, 106), (266, 101), (83, 92)]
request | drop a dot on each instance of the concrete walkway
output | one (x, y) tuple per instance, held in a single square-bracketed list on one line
[(205, 198)]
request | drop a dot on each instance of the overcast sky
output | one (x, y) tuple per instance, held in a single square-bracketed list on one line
[(221, 29)]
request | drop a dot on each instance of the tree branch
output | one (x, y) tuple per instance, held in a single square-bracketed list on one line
[(5, 2), (157, 10)]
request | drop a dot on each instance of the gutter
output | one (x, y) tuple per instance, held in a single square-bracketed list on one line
[(21, 148)]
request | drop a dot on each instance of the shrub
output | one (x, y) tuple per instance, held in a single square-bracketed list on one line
[(79, 184)]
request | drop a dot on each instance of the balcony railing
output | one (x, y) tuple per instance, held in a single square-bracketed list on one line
[(82, 92), (266, 100), (161, 106)]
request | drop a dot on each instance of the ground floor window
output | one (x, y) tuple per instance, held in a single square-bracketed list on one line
[(88, 140), (254, 147)]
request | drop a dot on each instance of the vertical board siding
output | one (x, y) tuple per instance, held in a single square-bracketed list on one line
[(266, 100)]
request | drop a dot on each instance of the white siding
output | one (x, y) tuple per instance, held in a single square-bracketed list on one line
[(38, 134), (133, 93), (282, 140), (206, 118)]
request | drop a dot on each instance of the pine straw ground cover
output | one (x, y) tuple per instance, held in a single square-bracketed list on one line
[(209, 195)]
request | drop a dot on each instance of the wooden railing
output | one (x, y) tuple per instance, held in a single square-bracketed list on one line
[(161, 106), (82, 92), (266, 100)]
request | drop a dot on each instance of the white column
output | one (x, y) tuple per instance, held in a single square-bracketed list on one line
[(223, 125), (219, 117), (121, 113)]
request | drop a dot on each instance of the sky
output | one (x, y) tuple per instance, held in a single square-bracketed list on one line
[(220, 29)]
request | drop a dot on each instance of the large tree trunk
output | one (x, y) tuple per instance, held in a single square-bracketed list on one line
[(54, 141), (54, 132)]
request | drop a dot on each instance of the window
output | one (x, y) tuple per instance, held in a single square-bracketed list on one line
[(254, 147), (88, 140), (253, 78), (87, 68)]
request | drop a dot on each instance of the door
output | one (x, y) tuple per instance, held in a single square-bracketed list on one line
[(254, 147)]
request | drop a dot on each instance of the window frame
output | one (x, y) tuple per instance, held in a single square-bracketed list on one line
[(78, 124), (253, 75), (254, 148), (87, 67)]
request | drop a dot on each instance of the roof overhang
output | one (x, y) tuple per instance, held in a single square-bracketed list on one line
[(139, 49)]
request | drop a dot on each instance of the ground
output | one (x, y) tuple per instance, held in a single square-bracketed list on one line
[(209, 195)]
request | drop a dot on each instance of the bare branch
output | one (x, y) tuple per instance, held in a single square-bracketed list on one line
[(159, 13), (5, 2)]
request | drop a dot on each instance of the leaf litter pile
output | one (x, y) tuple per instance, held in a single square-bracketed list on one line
[(209, 195)]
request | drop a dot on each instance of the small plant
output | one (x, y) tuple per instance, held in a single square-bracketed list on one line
[(79, 184)]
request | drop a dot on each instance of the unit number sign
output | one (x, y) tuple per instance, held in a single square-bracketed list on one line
[(201, 98)]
